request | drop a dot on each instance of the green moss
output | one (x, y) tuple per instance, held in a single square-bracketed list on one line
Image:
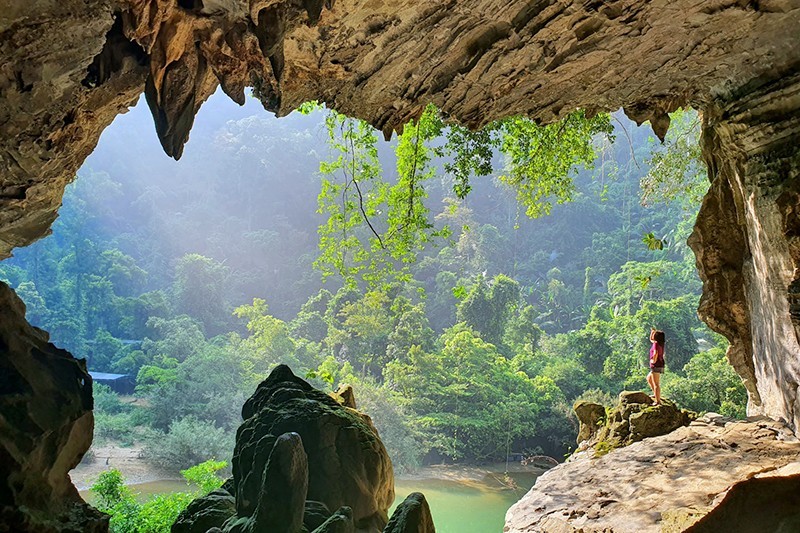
[(605, 446)]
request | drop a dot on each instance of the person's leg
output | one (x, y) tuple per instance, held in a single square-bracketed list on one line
[(650, 382), (657, 386)]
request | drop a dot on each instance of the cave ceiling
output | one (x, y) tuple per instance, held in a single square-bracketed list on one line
[(69, 67)]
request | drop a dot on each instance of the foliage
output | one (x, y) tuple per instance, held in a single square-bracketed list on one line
[(188, 442), (158, 513), (676, 169), (375, 229), (467, 329), (710, 384), (542, 159), (204, 475)]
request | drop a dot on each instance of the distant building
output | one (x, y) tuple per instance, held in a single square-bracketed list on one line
[(119, 383)]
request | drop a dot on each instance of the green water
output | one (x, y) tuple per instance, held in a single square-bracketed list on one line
[(457, 506)]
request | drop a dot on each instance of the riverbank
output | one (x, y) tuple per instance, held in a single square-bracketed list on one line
[(127, 459)]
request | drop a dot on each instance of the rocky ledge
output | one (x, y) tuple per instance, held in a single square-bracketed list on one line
[(634, 418), (716, 474), (306, 461)]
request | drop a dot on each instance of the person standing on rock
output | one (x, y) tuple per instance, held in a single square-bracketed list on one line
[(656, 363)]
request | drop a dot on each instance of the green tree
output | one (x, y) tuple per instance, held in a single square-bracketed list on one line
[(199, 290)]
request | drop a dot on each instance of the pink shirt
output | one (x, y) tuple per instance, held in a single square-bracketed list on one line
[(656, 355)]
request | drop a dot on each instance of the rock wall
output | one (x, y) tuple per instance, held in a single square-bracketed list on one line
[(747, 240), (46, 425), (633, 419)]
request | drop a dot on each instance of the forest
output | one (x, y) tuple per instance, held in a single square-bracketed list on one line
[(495, 303)]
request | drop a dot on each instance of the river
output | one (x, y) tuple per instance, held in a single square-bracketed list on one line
[(461, 503)]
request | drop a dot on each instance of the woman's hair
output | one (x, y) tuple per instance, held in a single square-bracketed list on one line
[(659, 337)]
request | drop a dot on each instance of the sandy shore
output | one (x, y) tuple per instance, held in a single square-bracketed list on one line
[(485, 476), (127, 460), (136, 470)]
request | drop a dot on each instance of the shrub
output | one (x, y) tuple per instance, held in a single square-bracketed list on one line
[(158, 513), (188, 442)]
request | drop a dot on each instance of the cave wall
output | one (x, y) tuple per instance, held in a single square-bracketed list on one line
[(747, 240), (69, 66), (46, 424)]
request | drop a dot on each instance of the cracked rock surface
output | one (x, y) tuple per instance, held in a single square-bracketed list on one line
[(667, 483)]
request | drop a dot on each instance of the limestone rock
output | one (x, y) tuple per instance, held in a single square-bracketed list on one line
[(633, 419), (763, 503), (347, 463), (205, 513), (46, 425), (658, 420), (298, 454), (591, 416), (340, 522), (316, 513), (747, 241), (412, 516), (281, 503), (667, 483), (71, 66), (346, 395), (634, 397)]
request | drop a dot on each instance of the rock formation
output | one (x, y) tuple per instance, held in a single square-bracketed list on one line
[(46, 425), (69, 67), (747, 240), (633, 419), (303, 461), (693, 475)]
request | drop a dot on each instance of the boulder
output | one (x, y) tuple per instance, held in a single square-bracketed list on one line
[(412, 516), (46, 426), (315, 515), (281, 501), (633, 418), (627, 397), (591, 417), (347, 462), (346, 395), (658, 420), (203, 514), (340, 522), (298, 454)]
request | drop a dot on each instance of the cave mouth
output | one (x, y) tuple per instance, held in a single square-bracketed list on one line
[(735, 61), (205, 193)]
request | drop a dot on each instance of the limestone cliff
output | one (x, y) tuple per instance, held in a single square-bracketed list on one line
[(46, 426), (747, 240)]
